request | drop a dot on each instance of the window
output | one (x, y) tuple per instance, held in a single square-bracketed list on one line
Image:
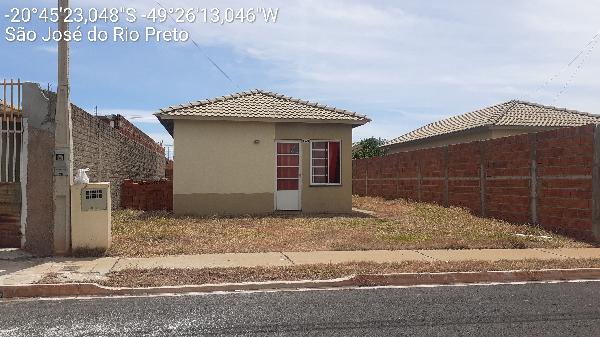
[(325, 163), (93, 194)]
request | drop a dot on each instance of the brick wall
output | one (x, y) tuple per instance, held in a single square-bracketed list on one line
[(10, 215), (114, 152), (147, 195), (132, 132), (169, 169), (547, 178)]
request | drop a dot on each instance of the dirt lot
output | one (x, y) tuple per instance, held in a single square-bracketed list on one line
[(173, 277), (396, 224)]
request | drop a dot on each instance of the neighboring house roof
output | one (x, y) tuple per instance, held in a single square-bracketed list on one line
[(514, 113), (259, 105)]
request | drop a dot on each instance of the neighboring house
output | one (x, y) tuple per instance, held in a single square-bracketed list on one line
[(258, 152), (502, 120)]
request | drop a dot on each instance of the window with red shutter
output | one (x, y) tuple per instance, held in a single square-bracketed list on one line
[(326, 168)]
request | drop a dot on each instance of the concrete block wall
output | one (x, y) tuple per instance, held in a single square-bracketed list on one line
[(132, 132), (549, 178), (114, 152)]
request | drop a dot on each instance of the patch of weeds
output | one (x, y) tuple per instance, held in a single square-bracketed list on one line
[(357, 222), (456, 246), (50, 278), (88, 252), (509, 240), (407, 237), (171, 277), (517, 243), (349, 247), (396, 224)]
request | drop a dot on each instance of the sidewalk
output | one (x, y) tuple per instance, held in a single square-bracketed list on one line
[(18, 268)]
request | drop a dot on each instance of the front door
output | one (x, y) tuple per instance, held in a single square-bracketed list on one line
[(287, 196)]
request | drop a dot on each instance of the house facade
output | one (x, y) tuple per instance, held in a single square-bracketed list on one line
[(502, 120), (259, 152)]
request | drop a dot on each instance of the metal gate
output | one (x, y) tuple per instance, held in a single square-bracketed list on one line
[(11, 142)]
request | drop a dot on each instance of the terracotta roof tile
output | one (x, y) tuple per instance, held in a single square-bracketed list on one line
[(512, 113), (261, 104)]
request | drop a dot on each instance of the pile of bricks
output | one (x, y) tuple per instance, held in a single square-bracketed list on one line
[(147, 195), (544, 178)]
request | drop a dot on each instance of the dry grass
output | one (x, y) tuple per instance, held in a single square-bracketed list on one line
[(50, 278), (397, 224), (173, 277), (87, 252)]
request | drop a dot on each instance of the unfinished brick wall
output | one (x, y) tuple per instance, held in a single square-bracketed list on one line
[(132, 132), (147, 195), (169, 169), (114, 151), (549, 178)]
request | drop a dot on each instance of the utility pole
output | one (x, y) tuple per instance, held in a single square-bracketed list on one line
[(63, 144)]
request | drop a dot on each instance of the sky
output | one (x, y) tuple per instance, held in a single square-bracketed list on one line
[(402, 63)]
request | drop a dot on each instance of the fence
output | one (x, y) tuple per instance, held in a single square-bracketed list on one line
[(549, 178), (11, 142), (11, 130)]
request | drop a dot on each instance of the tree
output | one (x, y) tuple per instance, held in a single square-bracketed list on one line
[(369, 147)]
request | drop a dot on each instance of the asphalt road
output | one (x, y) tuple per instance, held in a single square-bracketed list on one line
[(563, 309)]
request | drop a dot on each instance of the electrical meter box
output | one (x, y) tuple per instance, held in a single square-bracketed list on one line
[(90, 216)]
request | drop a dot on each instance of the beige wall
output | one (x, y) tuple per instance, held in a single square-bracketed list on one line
[(220, 170), (442, 141), (464, 137), (218, 158), (322, 199), (501, 132), (90, 229)]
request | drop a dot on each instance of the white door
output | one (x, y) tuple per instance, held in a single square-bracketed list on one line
[(287, 196)]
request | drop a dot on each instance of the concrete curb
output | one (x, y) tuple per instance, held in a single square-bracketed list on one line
[(405, 279)]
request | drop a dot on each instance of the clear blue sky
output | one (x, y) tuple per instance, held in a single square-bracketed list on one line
[(403, 63)]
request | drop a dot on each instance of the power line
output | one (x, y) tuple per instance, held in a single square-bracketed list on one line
[(203, 51), (591, 43), (579, 67)]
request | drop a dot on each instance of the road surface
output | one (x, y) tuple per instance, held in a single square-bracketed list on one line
[(555, 309)]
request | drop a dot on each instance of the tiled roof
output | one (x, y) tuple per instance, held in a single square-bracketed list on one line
[(512, 113), (259, 104)]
